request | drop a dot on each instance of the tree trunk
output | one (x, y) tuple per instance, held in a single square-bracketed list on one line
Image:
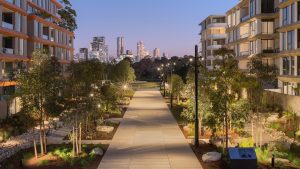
[(45, 138), (252, 129), (41, 140), (76, 140), (80, 138), (34, 145), (73, 141)]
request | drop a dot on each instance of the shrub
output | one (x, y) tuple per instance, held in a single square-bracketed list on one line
[(247, 142), (44, 162), (295, 148), (274, 125), (263, 155)]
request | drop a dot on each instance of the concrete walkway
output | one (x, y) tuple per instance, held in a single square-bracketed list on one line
[(149, 138)]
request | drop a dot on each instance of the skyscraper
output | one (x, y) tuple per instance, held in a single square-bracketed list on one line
[(99, 50), (84, 53), (140, 50), (156, 52), (120, 46)]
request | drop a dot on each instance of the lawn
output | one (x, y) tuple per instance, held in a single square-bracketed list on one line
[(58, 157)]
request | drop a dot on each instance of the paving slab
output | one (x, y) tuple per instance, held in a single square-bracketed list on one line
[(149, 138)]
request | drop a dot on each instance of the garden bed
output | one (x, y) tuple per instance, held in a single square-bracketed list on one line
[(59, 156)]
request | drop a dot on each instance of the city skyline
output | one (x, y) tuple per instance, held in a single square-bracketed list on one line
[(175, 30)]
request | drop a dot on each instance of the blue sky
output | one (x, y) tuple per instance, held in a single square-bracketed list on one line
[(171, 25)]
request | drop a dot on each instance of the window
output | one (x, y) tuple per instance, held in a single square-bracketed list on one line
[(292, 65), (252, 47), (253, 28), (283, 41), (267, 45), (298, 65), (290, 40), (21, 50), (267, 6), (285, 13), (252, 8), (285, 66), (292, 12), (267, 26), (298, 6)]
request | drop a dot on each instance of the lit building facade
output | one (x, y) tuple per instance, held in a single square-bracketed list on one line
[(213, 37), (252, 32), (23, 29)]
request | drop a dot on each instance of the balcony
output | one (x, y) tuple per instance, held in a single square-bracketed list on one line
[(244, 53), (8, 51), (216, 36), (245, 18), (270, 51), (217, 25), (10, 1), (212, 47), (45, 37), (245, 35), (7, 25)]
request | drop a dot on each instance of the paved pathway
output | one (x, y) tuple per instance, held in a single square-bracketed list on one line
[(149, 138)]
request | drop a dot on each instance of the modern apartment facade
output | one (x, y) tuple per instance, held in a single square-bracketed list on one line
[(26, 25), (289, 56), (213, 37), (252, 31)]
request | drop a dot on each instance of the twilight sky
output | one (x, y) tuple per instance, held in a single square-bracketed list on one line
[(171, 25)]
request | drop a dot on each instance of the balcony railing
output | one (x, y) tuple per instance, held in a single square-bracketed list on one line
[(245, 35), (243, 19), (270, 50), (45, 37), (244, 53), (10, 1), (7, 25), (8, 51)]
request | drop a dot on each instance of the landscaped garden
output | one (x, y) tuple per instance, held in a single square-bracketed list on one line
[(58, 156)]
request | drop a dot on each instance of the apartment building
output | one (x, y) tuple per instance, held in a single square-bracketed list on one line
[(289, 56), (26, 25), (252, 31), (213, 37)]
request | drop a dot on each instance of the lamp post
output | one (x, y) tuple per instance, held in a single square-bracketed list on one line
[(171, 85), (196, 97)]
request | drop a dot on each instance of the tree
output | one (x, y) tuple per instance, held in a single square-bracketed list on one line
[(83, 96), (262, 75), (122, 73), (39, 90), (68, 16), (226, 87), (177, 86)]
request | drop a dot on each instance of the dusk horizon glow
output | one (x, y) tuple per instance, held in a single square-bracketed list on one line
[(171, 25)]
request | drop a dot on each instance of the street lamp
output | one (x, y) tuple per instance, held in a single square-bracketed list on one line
[(196, 97), (171, 85)]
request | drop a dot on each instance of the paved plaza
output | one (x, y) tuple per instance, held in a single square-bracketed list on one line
[(149, 138)]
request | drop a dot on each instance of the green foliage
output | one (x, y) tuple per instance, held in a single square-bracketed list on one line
[(177, 85), (247, 142), (39, 87), (44, 162), (263, 155), (274, 125), (122, 73), (68, 16)]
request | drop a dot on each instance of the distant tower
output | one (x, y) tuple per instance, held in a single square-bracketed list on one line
[(84, 53), (99, 50), (140, 50), (156, 52), (120, 46)]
